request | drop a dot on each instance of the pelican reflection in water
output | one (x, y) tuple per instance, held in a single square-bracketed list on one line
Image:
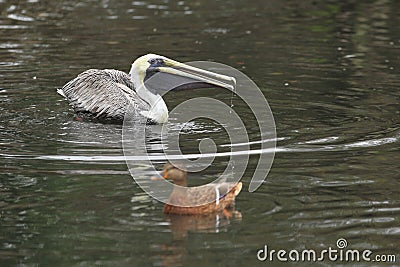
[(108, 93)]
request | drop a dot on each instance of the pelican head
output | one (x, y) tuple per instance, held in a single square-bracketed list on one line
[(144, 67)]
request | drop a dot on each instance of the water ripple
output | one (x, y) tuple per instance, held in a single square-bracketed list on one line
[(20, 17), (156, 156)]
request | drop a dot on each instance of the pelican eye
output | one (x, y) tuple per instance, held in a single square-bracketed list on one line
[(156, 62)]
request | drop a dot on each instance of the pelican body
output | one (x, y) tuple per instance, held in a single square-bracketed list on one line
[(108, 93)]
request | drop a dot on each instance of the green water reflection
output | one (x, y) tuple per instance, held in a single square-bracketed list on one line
[(328, 69)]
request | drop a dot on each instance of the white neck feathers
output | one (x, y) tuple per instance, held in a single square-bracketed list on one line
[(158, 111)]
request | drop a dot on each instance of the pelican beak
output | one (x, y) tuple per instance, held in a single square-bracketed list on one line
[(197, 75)]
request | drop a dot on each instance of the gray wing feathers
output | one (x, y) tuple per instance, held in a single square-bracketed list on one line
[(104, 93), (61, 92)]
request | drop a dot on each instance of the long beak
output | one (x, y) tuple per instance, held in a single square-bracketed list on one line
[(180, 69)]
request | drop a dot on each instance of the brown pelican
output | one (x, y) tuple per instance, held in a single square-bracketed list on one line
[(107, 93)]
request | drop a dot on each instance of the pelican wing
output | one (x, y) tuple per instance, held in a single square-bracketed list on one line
[(103, 93)]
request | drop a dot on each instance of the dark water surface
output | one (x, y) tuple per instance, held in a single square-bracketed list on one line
[(330, 71)]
